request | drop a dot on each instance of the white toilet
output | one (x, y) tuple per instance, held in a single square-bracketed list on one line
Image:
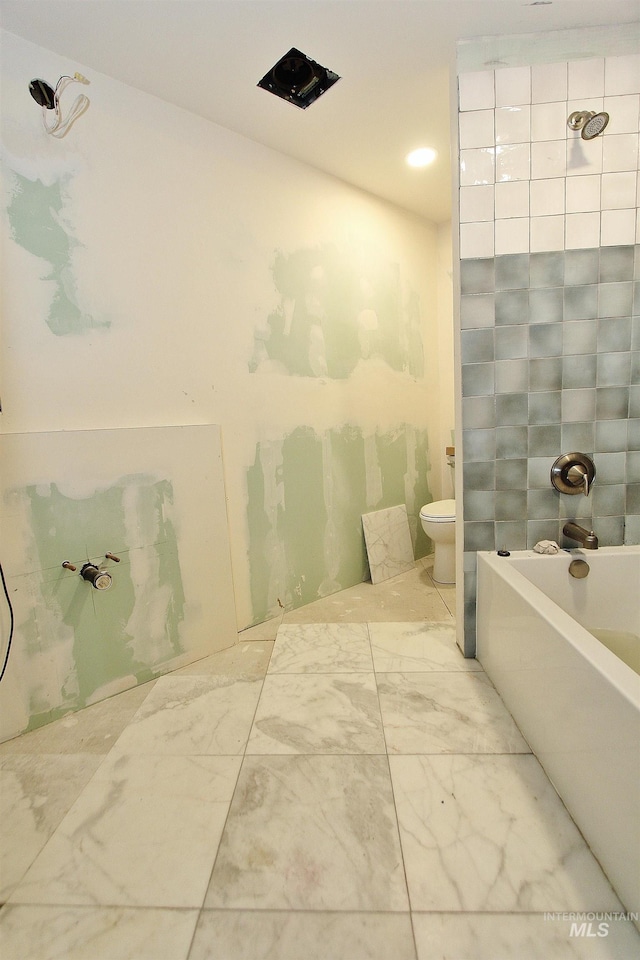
[(439, 523)]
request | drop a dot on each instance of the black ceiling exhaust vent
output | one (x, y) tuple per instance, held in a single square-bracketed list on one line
[(298, 79)]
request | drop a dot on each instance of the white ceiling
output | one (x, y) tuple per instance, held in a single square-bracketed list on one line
[(394, 58)]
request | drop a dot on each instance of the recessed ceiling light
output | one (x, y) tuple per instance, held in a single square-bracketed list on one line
[(421, 157)]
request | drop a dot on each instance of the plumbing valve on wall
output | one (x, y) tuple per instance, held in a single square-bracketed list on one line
[(97, 576)]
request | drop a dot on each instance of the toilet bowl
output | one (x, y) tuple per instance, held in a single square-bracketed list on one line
[(439, 523)]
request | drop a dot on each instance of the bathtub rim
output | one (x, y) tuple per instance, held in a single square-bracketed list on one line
[(617, 672)]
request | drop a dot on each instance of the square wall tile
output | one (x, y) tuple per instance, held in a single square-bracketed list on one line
[(616, 264), (513, 124), (619, 190), (477, 309), (549, 121), (546, 268), (512, 236), (547, 197), (617, 227), (512, 272), (511, 199), (476, 129), (582, 230), (477, 166), (546, 305), (581, 266), (583, 157), (477, 240), (624, 113), (477, 380), (512, 161), (583, 194), (622, 75), (546, 233), (549, 82), (476, 90), (478, 203), (477, 276), (620, 152), (512, 306), (511, 376), (513, 86), (586, 79), (548, 159)]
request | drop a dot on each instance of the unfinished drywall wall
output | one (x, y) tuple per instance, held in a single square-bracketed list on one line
[(76, 496), (160, 270)]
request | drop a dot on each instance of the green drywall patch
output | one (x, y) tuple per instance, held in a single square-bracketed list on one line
[(82, 529), (334, 311), (34, 213), (302, 522), (348, 503), (259, 529), (306, 505)]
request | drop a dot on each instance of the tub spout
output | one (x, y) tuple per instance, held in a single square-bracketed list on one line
[(587, 538)]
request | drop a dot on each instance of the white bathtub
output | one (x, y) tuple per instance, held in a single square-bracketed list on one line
[(576, 703)]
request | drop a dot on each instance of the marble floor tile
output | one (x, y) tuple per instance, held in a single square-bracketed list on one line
[(311, 833), (266, 935), (144, 832), (503, 936), (388, 540), (193, 716), (246, 659), (322, 648), (36, 791), (417, 647), (489, 833), (446, 712), (95, 933), (317, 713), (410, 596), (94, 729)]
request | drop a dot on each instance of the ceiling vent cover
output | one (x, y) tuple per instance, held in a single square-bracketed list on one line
[(298, 79)]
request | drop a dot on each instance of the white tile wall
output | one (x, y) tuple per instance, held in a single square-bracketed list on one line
[(513, 124), (547, 197), (512, 236), (548, 82), (477, 129), (528, 183), (513, 161), (618, 227), (476, 240), (547, 233), (622, 75), (476, 90), (583, 194), (619, 190), (624, 113), (582, 230), (477, 166), (548, 159), (513, 86), (586, 78), (478, 203), (512, 199)]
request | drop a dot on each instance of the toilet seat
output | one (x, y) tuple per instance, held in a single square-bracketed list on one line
[(441, 511)]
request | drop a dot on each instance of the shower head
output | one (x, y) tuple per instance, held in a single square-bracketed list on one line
[(594, 126), (589, 123)]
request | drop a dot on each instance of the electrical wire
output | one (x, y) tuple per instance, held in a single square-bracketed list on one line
[(6, 593), (59, 127)]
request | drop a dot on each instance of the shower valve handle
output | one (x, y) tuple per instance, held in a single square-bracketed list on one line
[(111, 556)]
